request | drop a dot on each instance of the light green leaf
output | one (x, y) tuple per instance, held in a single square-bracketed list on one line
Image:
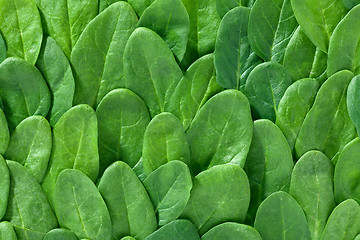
[(353, 101), (4, 187), (221, 132), (223, 6), (30, 144), (169, 190), (153, 77), (140, 5), (164, 141), (2, 49), (219, 194), (122, 118), (97, 57), (176, 230), (231, 231), (60, 234), (131, 211), (7, 231), (79, 206), (4, 133)]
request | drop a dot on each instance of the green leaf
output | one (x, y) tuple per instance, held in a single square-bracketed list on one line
[(265, 87), (164, 141), (7, 231), (2, 49), (122, 118), (268, 165), (128, 238), (29, 211), (19, 78), (4, 187), (20, 26), (130, 208), (140, 5), (271, 25), (204, 24), (231, 231), (350, 3), (56, 69), (219, 194), (344, 222), (170, 20), (79, 206), (303, 59), (4, 132), (221, 132), (103, 4), (169, 190), (353, 101), (153, 77), (176, 230), (234, 59), (65, 20), (344, 50), (347, 173), (224, 6), (60, 234), (327, 126), (194, 89), (312, 187), (97, 57), (75, 138), (318, 19), (30, 144), (280, 217), (293, 107)]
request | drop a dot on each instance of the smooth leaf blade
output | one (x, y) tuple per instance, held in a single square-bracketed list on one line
[(353, 101), (4, 133), (4, 186), (175, 230), (231, 231)]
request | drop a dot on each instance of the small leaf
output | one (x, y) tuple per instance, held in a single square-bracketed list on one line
[(7, 231), (4, 186), (60, 234), (231, 231), (4, 133), (353, 101), (175, 230)]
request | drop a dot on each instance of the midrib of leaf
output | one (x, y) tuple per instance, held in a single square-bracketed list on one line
[(67, 17), (76, 155), (78, 212), (78, 19), (278, 25), (169, 189), (36, 131), (125, 200), (322, 15), (20, 29)]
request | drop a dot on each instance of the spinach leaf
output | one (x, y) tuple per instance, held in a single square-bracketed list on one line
[(153, 77), (350, 3), (268, 165), (131, 211), (194, 89), (7, 231), (303, 59), (271, 25), (223, 6), (170, 20), (103, 4), (204, 24), (139, 169), (28, 211), (4, 186), (265, 87), (327, 126), (280, 217), (164, 141), (140, 5), (353, 101), (30, 144), (344, 222), (79, 206), (169, 190), (234, 58), (97, 57), (318, 19), (75, 138), (65, 20), (293, 107), (312, 187), (219, 194), (344, 50), (19, 78), (176, 230), (20, 26), (128, 238), (122, 118), (60, 234), (347, 173), (221, 132), (4, 133), (231, 231), (2, 49), (55, 68)]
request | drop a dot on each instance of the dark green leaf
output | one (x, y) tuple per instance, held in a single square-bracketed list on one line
[(164, 141), (60, 234), (350, 3), (122, 118), (140, 5), (221, 132), (223, 6), (30, 144), (4, 132), (176, 230), (7, 231), (130, 208), (219, 194), (4, 187), (353, 101), (231, 231), (2, 49), (19, 78), (79, 206)]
